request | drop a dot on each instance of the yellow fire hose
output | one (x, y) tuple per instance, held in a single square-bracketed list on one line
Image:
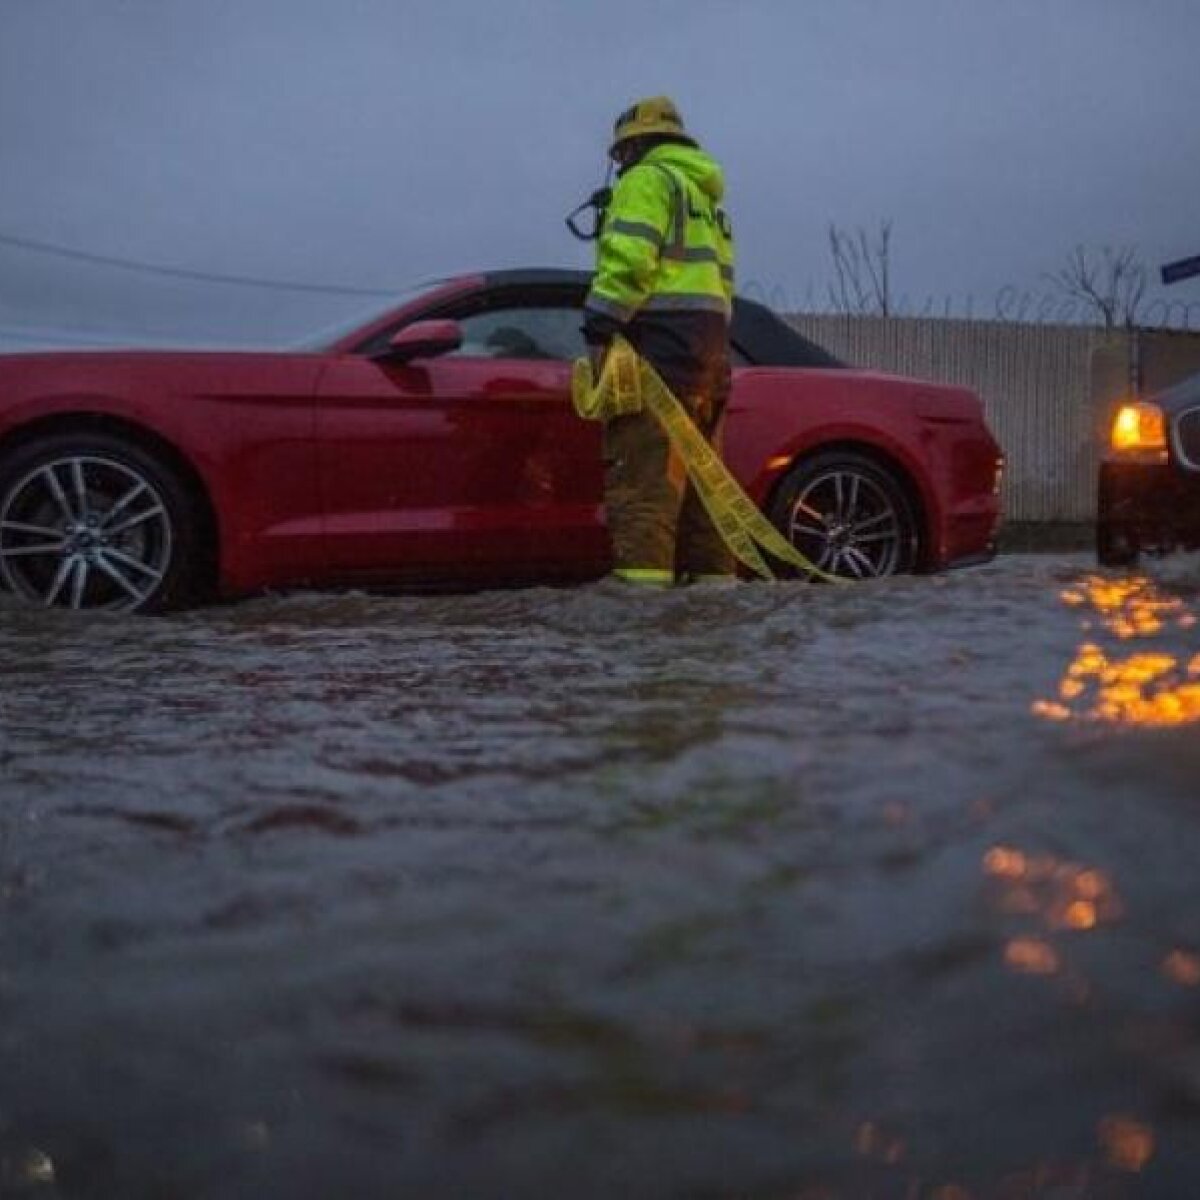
[(627, 384)]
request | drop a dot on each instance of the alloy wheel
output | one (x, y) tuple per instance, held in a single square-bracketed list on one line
[(847, 524), (84, 531)]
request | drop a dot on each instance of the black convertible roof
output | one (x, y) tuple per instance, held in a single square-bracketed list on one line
[(533, 276)]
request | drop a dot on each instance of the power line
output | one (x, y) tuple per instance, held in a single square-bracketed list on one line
[(131, 264), (31, 333), (53, 335), (58, 336)]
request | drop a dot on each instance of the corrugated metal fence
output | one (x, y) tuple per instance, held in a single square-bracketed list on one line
[(1035, 383)]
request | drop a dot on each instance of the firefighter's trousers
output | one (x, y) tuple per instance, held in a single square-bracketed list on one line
[(659, 527)]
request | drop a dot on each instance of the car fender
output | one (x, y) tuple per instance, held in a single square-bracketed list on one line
[(779, 417), (223, 417), (146, 418)]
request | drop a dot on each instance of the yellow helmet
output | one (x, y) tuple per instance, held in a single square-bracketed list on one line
[(658, 114)]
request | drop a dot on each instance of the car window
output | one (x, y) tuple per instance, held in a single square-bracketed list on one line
[(545, 332)]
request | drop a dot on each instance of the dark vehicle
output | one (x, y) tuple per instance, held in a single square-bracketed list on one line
[(1149, 496)]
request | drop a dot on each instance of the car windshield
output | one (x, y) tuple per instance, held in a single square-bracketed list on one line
[(328, 335)]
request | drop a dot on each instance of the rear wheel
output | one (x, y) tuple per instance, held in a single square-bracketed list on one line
[(848, 515), (1115, 546), (91, 521)]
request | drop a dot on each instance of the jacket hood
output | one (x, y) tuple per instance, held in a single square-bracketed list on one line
[(701, 168)]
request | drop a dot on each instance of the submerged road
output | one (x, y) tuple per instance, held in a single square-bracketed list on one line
[(775, 891)]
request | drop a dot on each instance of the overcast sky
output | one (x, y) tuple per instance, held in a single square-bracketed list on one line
[(372, 143)]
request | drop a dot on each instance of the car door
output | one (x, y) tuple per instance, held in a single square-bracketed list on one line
[(466, 468)]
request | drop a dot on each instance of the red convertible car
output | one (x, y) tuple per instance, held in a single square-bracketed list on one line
[(434, 446)]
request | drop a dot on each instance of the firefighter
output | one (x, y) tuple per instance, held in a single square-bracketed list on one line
[(664, 280)]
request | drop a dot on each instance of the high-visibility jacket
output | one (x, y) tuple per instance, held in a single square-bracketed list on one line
[(666, 244)]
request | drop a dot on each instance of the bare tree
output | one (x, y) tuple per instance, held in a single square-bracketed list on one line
[(863, 283), (1110, 283)]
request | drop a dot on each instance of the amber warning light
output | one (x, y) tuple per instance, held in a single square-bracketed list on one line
[(1139, 428)]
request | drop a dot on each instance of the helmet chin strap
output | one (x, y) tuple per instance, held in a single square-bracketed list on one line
[(598, 201)]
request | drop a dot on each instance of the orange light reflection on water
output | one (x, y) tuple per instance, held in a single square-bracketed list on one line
[(1127, 1144), (1031, 956), (1146, 688), (1182, 967), (1124, 1142), (1066, 895), (1060, 897), (1129, 607)]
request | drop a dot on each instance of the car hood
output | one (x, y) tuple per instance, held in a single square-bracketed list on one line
[(67, 380), (26, 359), (109, 364)]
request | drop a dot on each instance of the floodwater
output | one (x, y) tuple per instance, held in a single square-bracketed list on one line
[(889, 891)]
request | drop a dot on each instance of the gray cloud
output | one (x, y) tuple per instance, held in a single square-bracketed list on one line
[(376, 143)]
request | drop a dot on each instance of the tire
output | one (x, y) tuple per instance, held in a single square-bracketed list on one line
[(848, 515), (93, 521), (1115, 547)]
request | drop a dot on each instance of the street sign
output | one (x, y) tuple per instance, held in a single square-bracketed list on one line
[(1185, 268)]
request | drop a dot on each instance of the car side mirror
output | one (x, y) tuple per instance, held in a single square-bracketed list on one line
[(425, 339)]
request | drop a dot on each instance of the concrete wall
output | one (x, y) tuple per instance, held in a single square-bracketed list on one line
[(1047, 390)]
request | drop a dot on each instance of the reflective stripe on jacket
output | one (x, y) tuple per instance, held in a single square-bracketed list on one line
[(666, 244)]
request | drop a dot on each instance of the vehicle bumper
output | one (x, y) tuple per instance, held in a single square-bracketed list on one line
[(970, 533), (970, 522), (1145, 507)]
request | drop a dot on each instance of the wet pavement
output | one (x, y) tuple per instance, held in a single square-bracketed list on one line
[(765, 892)]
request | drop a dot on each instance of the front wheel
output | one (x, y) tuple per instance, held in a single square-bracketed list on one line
[(848, 515), (91, 521)]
